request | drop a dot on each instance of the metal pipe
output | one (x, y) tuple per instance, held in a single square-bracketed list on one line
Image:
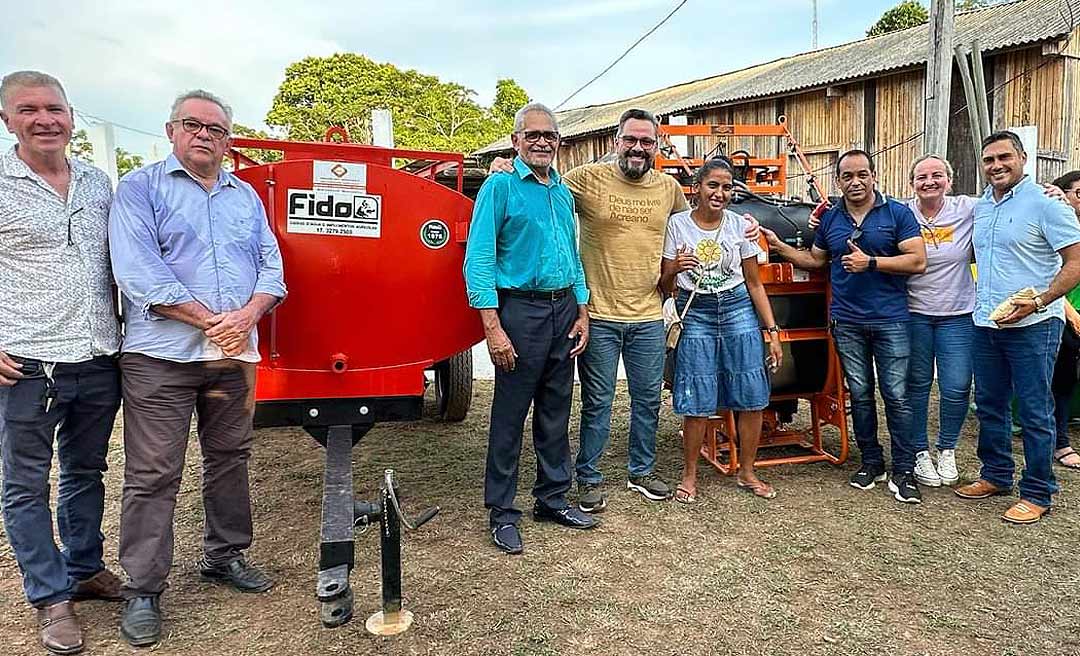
[(980, 91), (972, 107)]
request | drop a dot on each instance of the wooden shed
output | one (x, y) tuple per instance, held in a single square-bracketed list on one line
[(870, 94)]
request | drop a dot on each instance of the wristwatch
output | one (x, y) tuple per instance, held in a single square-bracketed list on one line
[(1039, 305), (773, 329), (872, 266)]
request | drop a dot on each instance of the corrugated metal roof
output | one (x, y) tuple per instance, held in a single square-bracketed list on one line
[(997, 27)]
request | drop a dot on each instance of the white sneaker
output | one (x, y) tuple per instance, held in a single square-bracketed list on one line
[(946, 466), (924, 470)]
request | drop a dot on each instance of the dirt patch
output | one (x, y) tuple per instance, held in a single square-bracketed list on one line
[(822, 569)]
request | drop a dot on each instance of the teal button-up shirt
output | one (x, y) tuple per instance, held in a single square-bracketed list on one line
[(1017, 240), (523, 237)]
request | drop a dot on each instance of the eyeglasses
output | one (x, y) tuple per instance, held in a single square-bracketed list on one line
[(856, 233), (191, 126), (532, 136), (630, 142), (929, 232)]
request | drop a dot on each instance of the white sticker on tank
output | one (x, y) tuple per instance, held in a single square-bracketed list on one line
[(344, 214), (799, 275), (343, 176)]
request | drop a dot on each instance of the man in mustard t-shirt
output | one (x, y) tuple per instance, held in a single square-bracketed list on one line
[(623, 209)]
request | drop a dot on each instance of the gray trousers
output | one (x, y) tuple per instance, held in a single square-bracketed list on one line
[(159, 397)]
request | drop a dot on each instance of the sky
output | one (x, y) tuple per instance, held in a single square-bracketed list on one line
[(125, 60)]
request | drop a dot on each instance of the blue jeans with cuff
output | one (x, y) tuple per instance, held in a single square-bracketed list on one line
[(87, 396), (887, 348)]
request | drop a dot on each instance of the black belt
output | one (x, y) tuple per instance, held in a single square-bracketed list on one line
[(536, 295)]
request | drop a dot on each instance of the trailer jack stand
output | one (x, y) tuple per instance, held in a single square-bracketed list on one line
[(341, 515)]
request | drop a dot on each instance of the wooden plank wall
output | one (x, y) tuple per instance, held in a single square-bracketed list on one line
[(1034, 93), (824, 128), (898, 119)]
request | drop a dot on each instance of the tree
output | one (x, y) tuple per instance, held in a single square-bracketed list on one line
[(341, 90), (257, 154), (911, 13), (904, 15), (82, 150)]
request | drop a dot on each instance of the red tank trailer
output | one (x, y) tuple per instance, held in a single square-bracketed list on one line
[(373, 258)]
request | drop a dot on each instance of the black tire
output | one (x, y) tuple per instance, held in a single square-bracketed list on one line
[(453, 387)]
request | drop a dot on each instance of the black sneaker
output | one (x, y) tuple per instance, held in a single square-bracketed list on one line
[(867, 477), (507, 537), (590, 498), (238, 573), (569, 516), (904, 488), (141, 622), (650, 486)]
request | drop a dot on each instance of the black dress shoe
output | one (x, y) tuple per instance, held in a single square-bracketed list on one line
[(141, 622), (569, 516), (508, 538), (238, 573)]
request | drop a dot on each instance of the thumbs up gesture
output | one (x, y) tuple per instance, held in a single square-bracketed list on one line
[(856, 261)]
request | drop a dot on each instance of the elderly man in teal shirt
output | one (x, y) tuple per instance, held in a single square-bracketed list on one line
[(1022, 239), (523, 272)]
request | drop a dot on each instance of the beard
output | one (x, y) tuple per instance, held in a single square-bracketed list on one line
[(631, 171)]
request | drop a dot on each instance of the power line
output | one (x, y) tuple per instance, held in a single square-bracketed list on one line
[(624, 54), (85, 116)]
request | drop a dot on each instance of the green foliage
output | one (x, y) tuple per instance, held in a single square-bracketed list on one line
[(257, 154), (910, 13), (341, 90), (81, 149), (904, 15)]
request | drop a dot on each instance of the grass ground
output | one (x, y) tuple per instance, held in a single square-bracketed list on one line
[(821, 569)]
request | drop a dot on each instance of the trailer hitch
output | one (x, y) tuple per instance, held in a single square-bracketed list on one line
[(341, 517)]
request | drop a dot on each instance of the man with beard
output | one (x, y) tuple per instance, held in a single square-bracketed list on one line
[(523, 272), (623, 208), (1023, 239), (871, 244)]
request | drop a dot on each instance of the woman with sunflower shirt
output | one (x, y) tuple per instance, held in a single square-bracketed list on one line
[(720, 361)]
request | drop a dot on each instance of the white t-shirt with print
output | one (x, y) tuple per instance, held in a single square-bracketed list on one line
[(720, 251)]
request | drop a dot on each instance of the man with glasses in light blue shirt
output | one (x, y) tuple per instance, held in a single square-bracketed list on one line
[(198, 267), (1022, 239)]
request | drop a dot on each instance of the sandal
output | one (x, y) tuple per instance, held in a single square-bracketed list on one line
[(683, 495), (1069, 451), (760, 489)]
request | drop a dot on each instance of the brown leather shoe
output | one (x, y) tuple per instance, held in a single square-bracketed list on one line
[(980, 489), (60, 632), (1024, 512), (104, 585)]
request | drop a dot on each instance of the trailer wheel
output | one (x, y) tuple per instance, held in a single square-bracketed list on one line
[(453, 386)]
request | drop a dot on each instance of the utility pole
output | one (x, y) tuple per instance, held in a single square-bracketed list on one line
[(938, 78), (813, 24)]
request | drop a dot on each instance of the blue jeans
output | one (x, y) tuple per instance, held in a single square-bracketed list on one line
[(642, 348), (87, 398), (1017, 362), (946, 341), (886, 347)]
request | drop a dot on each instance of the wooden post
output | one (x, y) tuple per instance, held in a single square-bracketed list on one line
[(938, 78)]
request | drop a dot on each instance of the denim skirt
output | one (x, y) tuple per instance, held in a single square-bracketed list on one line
[(720, 359)]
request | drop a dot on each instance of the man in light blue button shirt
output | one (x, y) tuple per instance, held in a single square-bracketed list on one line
[(1022, 239), (198, 267)]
